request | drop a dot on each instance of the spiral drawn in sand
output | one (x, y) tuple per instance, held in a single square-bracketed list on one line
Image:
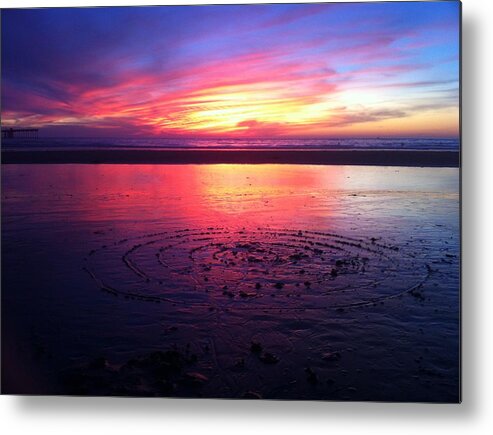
[(255, 269)]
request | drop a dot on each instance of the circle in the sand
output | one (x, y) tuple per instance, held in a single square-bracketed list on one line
[(259, 268)]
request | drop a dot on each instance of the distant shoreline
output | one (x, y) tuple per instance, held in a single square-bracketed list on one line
[(416, 158)]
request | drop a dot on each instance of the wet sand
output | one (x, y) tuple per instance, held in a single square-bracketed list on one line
[(177, 156), (233, 281)]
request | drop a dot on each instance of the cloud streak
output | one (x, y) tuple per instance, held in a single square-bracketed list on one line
[(253, 71)]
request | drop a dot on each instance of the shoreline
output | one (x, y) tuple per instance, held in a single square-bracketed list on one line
[(413, 158)]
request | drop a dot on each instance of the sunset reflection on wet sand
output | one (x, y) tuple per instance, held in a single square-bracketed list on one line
[(273, 281)]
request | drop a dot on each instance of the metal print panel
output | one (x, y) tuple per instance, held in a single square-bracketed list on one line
[(234, 201)]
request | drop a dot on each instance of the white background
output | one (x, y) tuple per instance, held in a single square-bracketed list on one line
[(62, 415)]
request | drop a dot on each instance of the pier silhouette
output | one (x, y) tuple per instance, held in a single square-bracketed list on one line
[(10, 133)]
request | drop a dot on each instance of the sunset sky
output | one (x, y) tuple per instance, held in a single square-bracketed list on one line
[(313, 70)]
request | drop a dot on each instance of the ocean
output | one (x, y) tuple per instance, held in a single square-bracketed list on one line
[(440, 144)]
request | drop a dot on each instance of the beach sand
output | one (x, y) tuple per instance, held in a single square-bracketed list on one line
[(184, 156), (257, 281)]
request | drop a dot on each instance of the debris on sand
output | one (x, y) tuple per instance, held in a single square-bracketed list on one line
[(252, 395), (160, 373), (228, 293), (255, 347), (269, 358), (194, 379), (98, 363), (417, 294), (331, 356), (311, 376), (239, 364)]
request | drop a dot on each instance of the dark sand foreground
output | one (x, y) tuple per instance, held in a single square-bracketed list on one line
[(233, 281), (310, 157)]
